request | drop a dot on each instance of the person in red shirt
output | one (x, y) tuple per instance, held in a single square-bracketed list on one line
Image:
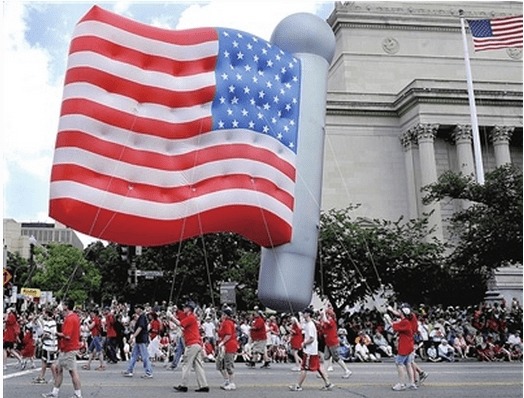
[(193, 352), (330, 332), (28, 350), (11, 331), (258, 334), (96, 346), (295, 342), (227, 348), (404, 357), (111, 335), (69, 343)]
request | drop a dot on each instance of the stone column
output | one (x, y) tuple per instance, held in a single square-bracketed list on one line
[(500, 137), (409, 144), (463, 138), (425, 134)]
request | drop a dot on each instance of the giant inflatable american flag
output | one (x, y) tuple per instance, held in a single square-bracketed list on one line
[(165, 135)]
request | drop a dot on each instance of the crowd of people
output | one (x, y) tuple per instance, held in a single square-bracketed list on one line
[(162, 333)]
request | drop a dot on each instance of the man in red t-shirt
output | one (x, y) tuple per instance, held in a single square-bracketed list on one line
[(404, 357), (192, 358), (330, 331), (111, 335), (69, 346), (11, 331), (96, 345), (258, 334), (227, 348)]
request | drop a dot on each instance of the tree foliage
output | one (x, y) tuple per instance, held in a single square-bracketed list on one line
[(64, 270), (489, 230), (361, 257)]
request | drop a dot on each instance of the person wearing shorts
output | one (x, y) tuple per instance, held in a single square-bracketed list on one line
[(227, 348), (311, 359), (405, 349), (69, 344)]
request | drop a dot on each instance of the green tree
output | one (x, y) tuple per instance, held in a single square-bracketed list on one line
[(361, 257), (64, 271), (113, 272), (487, 233), (192, 269)]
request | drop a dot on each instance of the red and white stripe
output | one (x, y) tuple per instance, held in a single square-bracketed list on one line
[(136, 161), (507, 33)]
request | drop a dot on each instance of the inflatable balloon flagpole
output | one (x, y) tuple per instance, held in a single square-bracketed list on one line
[(287, 271)]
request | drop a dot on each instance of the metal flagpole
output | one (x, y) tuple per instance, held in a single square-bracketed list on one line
[(479, 167)]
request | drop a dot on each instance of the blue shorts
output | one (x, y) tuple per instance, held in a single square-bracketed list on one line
[(403, 359), (96, 344)]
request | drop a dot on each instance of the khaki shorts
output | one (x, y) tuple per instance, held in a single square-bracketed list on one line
[(259, 346), (67, 360), (226, 362)]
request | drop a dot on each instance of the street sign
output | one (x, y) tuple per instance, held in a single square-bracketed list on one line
[(31, 292), (146, 274), (7, 276)]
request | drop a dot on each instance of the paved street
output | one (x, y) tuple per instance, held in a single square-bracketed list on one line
[(456, 380)]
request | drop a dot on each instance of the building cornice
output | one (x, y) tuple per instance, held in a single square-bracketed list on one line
[(424, 92)]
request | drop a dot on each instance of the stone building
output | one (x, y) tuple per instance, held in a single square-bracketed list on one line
[(397, 105)]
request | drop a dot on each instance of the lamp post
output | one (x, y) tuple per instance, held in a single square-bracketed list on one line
[(32, 244)]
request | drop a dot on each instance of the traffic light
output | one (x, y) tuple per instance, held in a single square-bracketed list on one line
[(124, 253)]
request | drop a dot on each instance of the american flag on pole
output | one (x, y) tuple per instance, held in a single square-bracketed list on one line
[(492, 34), (165, 135)]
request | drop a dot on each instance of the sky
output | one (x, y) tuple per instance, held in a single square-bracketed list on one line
[(34, 45)]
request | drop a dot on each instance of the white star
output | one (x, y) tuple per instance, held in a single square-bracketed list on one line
[(225, 33), (252, 101), (229, 111), (235, 44), (288, 107), (240, 55), (277, 57), (265, 129), (234, 101), (249, 46), (225, 76), (231, 89), (266, 106), (260, 115), (269, 84), (239, 35), (226, 54), (247, 90), (277, 77), (247, 68), (239, 76), (220, 124), (255, 58), (291, 145), (275, 99), (222, 100), (279, 136), (255, 79), (269, 63), (261, 94), (244, 112), (251, 125), (264, 51), (235, 123), (274, 120)]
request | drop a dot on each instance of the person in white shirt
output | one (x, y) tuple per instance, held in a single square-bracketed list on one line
[(49, 346), (311, 359)]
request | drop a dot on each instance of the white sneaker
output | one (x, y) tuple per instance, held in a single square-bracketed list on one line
[(399, 387), (295, 369), (347, 374), (230, 387), (330, 369), (49, 395), (295, 387)]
